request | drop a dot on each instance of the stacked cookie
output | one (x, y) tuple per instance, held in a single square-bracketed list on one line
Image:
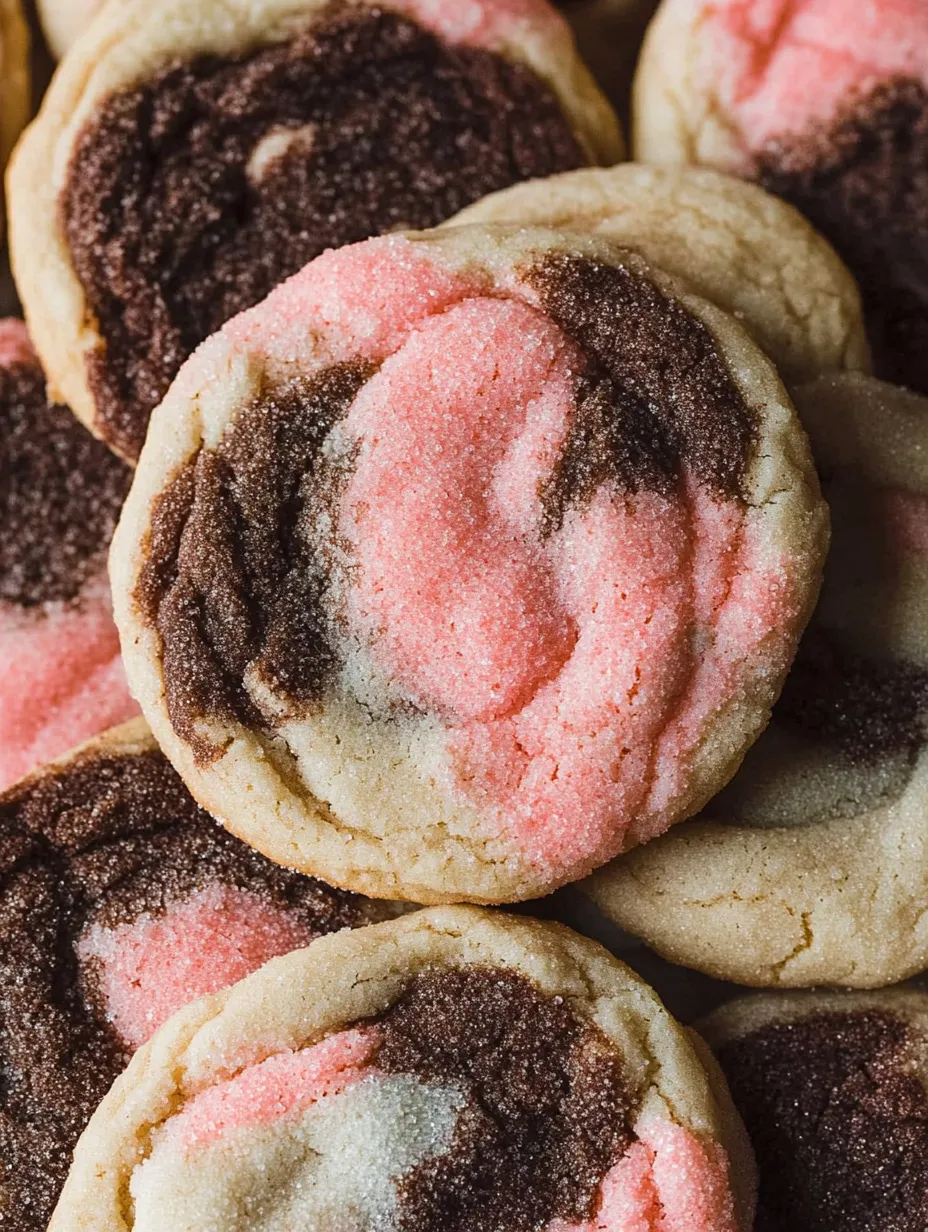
[(493, 516)]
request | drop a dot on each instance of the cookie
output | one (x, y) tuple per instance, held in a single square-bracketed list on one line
[(188, 158), (64, 21), (830, 114), (733, 243), (453, 1070), (121, 902), (14, 75), (465, 561), (811, 867), (61, 675), (832, 1088), (609, 35)]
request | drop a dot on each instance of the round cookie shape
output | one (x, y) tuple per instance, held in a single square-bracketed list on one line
[(734, 244), (64, 21), (467, 560), (832, 1088), (61, 674), (15, 80), (830, 114), (121, 902), (188, 158), (441, 1071), (811, 867)]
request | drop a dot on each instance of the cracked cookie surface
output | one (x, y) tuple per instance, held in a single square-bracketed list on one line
[(812, 865), (466, 1064), (467, 645)]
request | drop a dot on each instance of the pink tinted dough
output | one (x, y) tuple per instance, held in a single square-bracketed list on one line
[(667, 1182), (15, 344), (451, 568), (780, 65), (61, 679), (364, 299), (481, 23), (563, 668), (153, 967), (284, 1085), (576, 675)]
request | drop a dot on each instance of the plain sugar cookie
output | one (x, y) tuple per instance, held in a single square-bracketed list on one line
[(189, 157), (826, 108), (834, 1091), (811, 867), (733, 243), (120, 902), (465, 561), (64, 21), (448, 1072)]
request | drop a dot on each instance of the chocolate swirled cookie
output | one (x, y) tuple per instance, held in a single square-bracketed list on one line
[(467, 560), (120, 902), (61, 674), (811, 867), (829, 113), (449, 1072), (739, 247), (188, 158), (834, 1091)]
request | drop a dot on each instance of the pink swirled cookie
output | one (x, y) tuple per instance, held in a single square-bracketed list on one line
[(834, 1091), (452, 1071), (465, 561), (188, 158), (732, 243), (826, 109), (61, 675), (811, 867), (120, 902)]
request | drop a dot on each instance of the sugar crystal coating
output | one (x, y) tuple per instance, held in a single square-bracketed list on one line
[(154, 966), (61, 676), (504, 533), (121, 900), (832, 115), (473, 1101), (836, 1106), (192, 194)]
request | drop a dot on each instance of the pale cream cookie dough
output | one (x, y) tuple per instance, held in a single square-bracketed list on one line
[(812, 866), (15, 78), (452, 1070), (64, 21), (120, 902), (734, 244), (439, 504), (189, 157), (833, 1088), (828, 108)]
